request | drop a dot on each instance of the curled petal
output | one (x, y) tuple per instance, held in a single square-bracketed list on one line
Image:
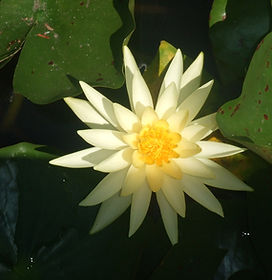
[(86, 113), (84, 158), (191, 78), (116, 161), (110, 210), (139, 206), (211, 149), (200, 193), (103, 138), (195, 101), (224, 179), (167, 101), (110, 185), (169, 217), (101, 103)]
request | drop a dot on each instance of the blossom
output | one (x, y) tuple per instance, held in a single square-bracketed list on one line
[(152, 148)]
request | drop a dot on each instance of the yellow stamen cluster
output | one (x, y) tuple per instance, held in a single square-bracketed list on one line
[(156, 143)]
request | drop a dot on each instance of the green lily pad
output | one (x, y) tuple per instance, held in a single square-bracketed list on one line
[(235, 39), (248, 119), (64, 41)]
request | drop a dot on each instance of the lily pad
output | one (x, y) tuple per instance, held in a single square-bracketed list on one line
[(64, 41), (218, 12), (248, 119), (235, 39)]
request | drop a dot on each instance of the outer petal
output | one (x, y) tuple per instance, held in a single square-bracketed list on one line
[(196, 132), (86, 113), (84, 158), (139, 207), (194, 167), (135, 179), (211, 149), (110, 210), (174, 194), (127, 119), (110, 185), (154, 177), (130, 68), (174, 72), (102, 104), (141, 97), (208, 121), (116, 161), (200, 193), (224, 179), (169, 217), (195, 101), (167, 101), (190, 80), (103, 138)]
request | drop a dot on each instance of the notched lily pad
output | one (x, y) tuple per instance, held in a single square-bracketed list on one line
[(64, 41)]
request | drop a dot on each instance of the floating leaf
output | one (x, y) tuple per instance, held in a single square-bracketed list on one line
[(248, 119), (218, 11), (235, 38), (64, 41)]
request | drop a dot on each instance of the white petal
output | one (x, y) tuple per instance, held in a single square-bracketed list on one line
[(110, 210), (194, 167), (174, 72), (191, 78), (154, 176), (167, 101), (102, 104), (139, 207), (130, 68), (174, 194), (110, 185), (194, 102), (135, 179), (208, 121), (103, 138), (178, 120), (115, 162), (169, 217), (212, 149), (224, 179), (141, 97), (196, 132), (127, 119), (84, 158), (200, 193), (86, 113), (149, 116)]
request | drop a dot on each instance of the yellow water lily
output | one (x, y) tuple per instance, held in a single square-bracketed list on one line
[(152, 148)]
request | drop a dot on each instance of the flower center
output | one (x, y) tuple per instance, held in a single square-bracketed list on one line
[(156, 143)]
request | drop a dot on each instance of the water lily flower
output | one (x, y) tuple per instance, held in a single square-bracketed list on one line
[(152, 148)]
